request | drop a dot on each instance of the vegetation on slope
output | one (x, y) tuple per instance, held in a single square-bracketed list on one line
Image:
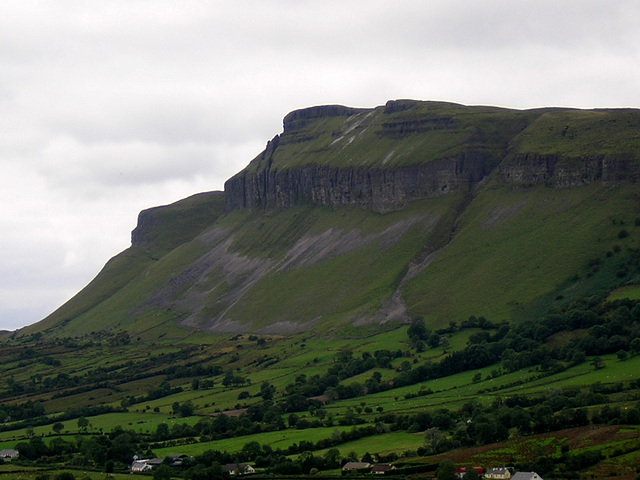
[(289, 405), (352, 271)]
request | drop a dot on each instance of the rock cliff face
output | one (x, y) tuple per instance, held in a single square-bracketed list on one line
[(377, 188), (383, 158), (167, 226), (558, 171)]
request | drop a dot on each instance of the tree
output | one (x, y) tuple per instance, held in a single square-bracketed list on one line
[(58, 427), (432, 437), (267, 391), (471, 474), (292, 420), (446, 470), (162, 432), (186, 409), (65, 476), (332, 458), (418, 330), (251, 450), (597, 363), (434, 340), (83, 423), (163, 472), (577, 357)]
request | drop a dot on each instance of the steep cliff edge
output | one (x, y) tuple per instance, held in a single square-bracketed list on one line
[(166, 227), (564, 148), (385, 157)]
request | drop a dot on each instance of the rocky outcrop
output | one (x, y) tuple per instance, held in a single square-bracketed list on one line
[(377, 188), (462, 145), (298, 119), (561, 171), (157, 226)]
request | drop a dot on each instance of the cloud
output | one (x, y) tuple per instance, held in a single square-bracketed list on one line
[(112, 107)]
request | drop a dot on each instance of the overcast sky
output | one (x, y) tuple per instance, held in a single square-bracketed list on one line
[(109, 107)]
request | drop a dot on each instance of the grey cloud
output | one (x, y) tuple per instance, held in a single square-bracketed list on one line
[(111, 107)]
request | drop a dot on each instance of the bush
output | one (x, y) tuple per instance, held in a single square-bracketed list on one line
[(65, 476)]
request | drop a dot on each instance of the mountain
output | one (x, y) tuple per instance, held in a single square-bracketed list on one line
[(355, 220)]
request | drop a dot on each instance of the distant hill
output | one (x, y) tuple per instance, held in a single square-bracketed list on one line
[(353, 221)]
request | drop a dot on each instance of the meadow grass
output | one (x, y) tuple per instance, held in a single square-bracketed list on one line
[(10, 472), (276, 439), (383, 443), (631, 292), (519, 238)]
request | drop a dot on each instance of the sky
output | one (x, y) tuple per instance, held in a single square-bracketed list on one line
[(114, 106)]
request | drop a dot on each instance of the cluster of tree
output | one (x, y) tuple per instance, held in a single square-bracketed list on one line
[(31, 353), (105, 377), (230, 379), (613, 327), (563, 466), (184, 371), (116, 450), (118, 447), (21, 411), (474, 424), (70, 414), (346, 364), (164, 390)]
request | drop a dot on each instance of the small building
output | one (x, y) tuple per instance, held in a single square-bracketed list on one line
[(139, 466), (382, 468), (9, 454), (178, 460), (238, 469), (526, 476), (463, 471), (356, 467), (500, 473), (145, 465)]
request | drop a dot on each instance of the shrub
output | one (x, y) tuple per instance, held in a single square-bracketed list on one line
[(65, 476)]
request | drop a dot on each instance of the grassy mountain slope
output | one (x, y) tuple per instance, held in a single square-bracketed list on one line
[(497, 243), (99, 305), (515, 247)]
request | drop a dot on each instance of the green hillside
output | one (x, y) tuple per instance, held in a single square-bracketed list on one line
[(422, 284), (548, 213)]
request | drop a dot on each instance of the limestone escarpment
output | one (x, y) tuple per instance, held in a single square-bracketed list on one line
[(384, 157), (377, 188), (558, 171)]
